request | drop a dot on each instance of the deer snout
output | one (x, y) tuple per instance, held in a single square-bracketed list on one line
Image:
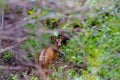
[(59, 44)]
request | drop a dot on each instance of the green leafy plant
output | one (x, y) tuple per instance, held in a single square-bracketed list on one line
[(15, 77), (8, 55), (97, 47)]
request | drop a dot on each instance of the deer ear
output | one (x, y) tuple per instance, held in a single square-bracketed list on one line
[(53, 38)]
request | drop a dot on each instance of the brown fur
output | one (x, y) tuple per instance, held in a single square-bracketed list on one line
[(47, 57)]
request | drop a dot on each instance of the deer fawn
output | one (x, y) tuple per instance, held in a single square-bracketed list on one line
[(48, 56)]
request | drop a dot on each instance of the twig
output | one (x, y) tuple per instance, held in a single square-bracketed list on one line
[(7, 37), (47, 31), (16, 68), (13, 46), (7, 48), (2, 21)]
